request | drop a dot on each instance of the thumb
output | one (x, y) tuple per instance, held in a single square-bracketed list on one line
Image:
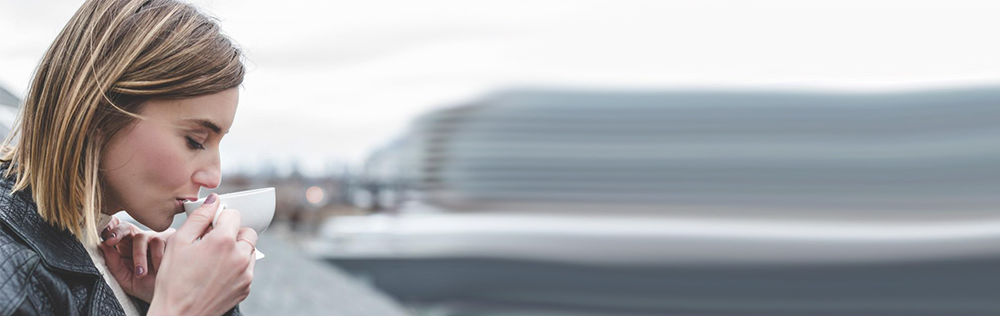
[(198, 221)]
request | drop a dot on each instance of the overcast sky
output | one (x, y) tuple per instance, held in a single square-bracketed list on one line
[(331, 80)]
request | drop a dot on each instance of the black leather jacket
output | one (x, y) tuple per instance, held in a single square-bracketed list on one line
[(46, 271)]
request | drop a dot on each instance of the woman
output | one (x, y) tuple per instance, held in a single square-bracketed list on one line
[(125, 112)]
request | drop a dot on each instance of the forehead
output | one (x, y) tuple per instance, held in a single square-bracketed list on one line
[(218, 108)]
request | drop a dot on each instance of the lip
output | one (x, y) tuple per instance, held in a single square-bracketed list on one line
[(179, 202), (178, 206)]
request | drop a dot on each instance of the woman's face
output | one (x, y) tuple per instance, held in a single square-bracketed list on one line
[(151, 167)]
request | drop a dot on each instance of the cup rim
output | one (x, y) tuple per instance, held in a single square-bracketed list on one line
[(231, 195), (247, 192)]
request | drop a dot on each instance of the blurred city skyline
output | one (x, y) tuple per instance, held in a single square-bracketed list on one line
[(331, 81)]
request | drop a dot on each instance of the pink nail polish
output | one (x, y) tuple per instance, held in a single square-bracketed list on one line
[(210, 199), (138, 271)]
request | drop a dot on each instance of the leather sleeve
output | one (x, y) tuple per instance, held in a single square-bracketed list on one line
[(26, 288), (143, 308), (15, 275), (234, 312)]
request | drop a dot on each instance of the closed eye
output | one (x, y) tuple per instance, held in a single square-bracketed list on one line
[(194, 144)]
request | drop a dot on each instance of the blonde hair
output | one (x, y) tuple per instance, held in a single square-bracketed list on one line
[(112, 56)]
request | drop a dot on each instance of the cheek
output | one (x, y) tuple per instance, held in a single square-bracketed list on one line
[(154, 158), (165, 161)]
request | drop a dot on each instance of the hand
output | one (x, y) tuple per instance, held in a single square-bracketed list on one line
[(205, 272), (133, 256)]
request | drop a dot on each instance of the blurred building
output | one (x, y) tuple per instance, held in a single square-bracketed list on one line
[(385, 182), (812, 152), (686, 203)]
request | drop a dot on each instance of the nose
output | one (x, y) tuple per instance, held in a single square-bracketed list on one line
[(209, 177)]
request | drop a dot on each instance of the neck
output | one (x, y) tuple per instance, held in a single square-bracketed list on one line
[(110, 208)]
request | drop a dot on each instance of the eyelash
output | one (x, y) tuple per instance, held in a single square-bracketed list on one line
[(193, 144)]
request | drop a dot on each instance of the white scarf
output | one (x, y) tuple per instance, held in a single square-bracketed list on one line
[(98, 258)]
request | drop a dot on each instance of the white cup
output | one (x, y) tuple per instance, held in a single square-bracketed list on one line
[(256, 208)]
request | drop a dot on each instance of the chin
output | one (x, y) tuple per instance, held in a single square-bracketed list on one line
[(159, 228), (159, 224), (162, 225)]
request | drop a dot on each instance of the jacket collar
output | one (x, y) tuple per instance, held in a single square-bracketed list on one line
[(57, 248)]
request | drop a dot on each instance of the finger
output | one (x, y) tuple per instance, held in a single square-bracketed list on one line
[(105, 233), (198, 221), (250, 265), (247, 276), (157, 247), (111, 256), (246, 242), (165, 235), (112, 234), (124, 247), (107, 229), (244, 246), (139, 252), (115, 234), (249, 235), (228, 223), (118, 266)]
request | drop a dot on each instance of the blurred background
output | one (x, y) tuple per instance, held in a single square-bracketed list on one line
[(608, 157)]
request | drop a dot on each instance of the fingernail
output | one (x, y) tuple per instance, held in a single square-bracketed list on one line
[(211, 198), (138, 270), (113, 235)]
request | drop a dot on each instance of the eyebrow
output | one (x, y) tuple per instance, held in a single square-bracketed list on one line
[(207, 124)]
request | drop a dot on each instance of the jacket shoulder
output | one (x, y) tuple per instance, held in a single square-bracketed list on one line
[(18, 264)]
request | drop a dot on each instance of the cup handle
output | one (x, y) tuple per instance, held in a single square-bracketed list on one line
[(218, 211)]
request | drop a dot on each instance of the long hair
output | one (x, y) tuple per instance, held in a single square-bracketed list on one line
[(112, 56)]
